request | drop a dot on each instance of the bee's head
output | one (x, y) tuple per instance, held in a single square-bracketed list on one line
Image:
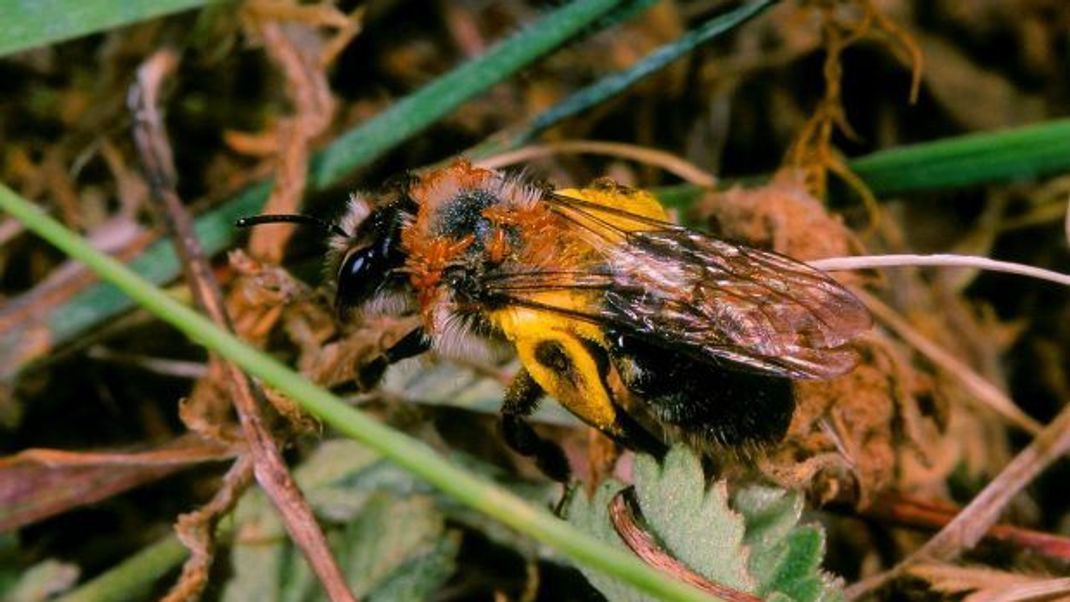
[(365, 256), (368, 257)]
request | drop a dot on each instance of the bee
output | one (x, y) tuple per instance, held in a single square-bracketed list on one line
[(634, 324)]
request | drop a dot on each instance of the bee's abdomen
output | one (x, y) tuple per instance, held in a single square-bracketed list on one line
[(713, 403)]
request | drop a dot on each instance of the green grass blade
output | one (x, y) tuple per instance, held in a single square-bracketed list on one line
[(132, 578), (611, 86), (408, 453), (1024, 153), (1015, 154), (32, 23), (426, 106)]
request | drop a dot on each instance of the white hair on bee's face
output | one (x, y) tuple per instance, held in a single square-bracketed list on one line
[(357, 210), (386, 303)]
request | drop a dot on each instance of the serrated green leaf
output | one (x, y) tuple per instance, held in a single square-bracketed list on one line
[(693, 524), (755, 544), (800, 575), (785, 558)]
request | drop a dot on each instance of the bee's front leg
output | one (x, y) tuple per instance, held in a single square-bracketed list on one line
[(521, 400), (414, 343)]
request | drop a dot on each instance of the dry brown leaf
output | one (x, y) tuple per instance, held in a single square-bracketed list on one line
[(38, 483)]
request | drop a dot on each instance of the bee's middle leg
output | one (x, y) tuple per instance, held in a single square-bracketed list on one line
[(521, 400), (412, 344)]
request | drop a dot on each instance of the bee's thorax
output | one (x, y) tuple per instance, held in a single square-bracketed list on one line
[(470, 220)]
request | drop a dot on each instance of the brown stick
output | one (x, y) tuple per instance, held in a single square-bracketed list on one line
[(924, 515), (268, 466), (186, 450), (966, 529), (36, 484)]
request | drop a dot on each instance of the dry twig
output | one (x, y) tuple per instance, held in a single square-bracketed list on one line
[(671, 163), (981, 584), (813, 149), (37, 483), (297, 52), (926, 515), (268, 466)]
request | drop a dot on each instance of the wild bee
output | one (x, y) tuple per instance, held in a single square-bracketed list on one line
[(631, 322)]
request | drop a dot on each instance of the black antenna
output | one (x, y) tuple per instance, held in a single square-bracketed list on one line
[(292, 218)]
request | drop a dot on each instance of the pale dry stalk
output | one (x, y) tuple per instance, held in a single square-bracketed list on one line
[(268, 466)]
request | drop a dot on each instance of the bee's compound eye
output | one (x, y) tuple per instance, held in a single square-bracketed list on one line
[(373, 261), (361, 274)]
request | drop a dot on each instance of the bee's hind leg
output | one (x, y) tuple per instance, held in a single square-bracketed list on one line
[(521, 399)]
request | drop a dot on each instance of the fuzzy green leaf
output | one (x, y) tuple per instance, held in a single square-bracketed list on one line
[(710, 537), (399, 544), (785, 557), (447, 383), (694, 524), (755, 544)]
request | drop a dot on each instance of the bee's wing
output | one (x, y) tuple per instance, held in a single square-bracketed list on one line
[(752, 307), (709, 299)]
